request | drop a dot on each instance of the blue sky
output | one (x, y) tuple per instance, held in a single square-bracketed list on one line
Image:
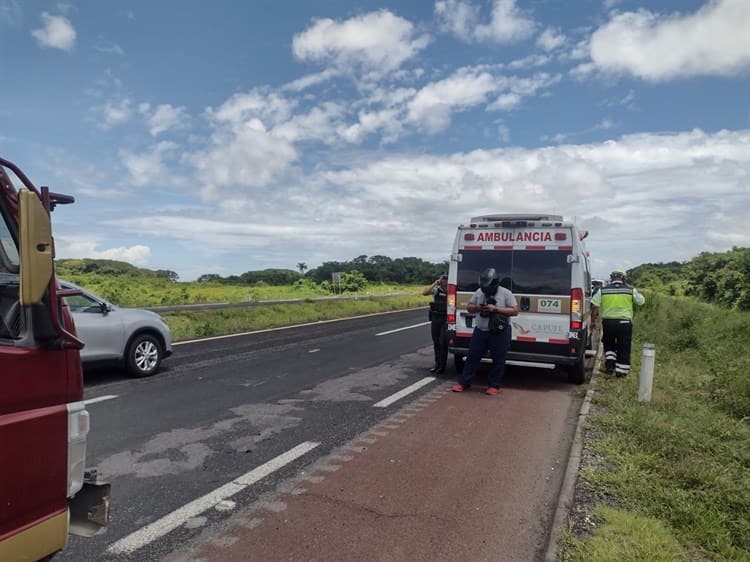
[(228, 136)]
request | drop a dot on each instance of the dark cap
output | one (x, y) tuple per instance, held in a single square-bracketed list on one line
[(444, 276)]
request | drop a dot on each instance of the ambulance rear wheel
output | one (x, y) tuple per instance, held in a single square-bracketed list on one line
[(577, 372), (458, 362)]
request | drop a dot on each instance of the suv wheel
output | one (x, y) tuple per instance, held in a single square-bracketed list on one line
[(144, 355)]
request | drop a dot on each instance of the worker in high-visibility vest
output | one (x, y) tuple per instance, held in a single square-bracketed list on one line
[(614, 303)]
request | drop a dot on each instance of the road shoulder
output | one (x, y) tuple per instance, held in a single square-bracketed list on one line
[(449, 477)]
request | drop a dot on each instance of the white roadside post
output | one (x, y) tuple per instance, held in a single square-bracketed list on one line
[(646, 379)]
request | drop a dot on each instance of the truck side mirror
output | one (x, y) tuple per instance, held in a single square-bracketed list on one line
[(35, 231)]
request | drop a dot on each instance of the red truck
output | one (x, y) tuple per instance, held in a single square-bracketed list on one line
[(45, 490)]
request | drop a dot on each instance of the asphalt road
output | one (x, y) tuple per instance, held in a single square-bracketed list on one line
[(260, 410)]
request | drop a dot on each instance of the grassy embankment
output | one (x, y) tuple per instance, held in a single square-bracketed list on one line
[(188, 325), (672, 479), (146, 292)]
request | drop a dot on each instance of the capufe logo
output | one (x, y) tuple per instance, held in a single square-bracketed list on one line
[(510, 236)]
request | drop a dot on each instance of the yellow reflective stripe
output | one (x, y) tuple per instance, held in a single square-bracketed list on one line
[(38, 541)]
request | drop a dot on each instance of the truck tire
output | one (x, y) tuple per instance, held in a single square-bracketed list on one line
[(144, 355), (577, 372), (458, 362)]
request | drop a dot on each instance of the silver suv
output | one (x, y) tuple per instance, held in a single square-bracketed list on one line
[(138, 339)]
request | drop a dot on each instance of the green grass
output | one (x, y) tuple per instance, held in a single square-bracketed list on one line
[(681, 465), (628, 536), (141, 291), (189, 325)]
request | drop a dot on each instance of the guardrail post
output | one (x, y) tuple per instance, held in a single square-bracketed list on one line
[(646, 378)]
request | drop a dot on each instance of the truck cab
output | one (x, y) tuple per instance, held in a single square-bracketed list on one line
[(542, 260), (45, 490)]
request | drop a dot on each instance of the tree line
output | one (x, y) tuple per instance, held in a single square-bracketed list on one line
[(373, 269), (721, 278)]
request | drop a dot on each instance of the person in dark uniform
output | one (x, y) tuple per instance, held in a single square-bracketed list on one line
[(439, 321)]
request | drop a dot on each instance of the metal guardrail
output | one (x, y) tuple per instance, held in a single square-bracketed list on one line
[(248, 304)]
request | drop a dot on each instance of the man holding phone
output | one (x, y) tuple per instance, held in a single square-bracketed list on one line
[(439, 321), (494, 305)]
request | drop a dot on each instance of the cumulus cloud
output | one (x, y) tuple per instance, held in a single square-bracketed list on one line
[(242, 154), (56, 32), (670, 192), (114, 112), (550, 39), (712, 41), (433, 104), (270, 107), (77, 246), (377, 42), (148, 168), (164, 117), (508, 23)]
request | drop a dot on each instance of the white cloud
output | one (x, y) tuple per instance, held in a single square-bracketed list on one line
[(530, 61), (675, 195), (56, 32), (507, 22), (712, 41), (433, 105), (551, 39), (148, 168), (310, 80), (108, 47), (320, 123), (377, 42), (114, 112), (77, 246), (505, 102), (164, 117), (242, 154), (271, 108), (457, 17)]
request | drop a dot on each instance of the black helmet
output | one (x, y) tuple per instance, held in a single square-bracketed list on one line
[(488, 281)]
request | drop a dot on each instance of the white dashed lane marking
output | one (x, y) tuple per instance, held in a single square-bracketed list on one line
[(170, 522), (405, 392), (401, 329)]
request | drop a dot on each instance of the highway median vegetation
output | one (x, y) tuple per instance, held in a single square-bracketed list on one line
[(190, 325), (671, 480)]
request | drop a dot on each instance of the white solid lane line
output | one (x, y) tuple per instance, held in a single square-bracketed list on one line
[(170, 522), (319, 322), (100, 399), (404, 328), (385, 402)]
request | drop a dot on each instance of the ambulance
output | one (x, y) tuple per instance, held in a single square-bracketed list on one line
[(543, 261)]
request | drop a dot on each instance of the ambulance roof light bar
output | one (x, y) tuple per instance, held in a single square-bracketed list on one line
[(513, 217)]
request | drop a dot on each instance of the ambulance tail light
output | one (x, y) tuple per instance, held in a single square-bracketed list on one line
[(78, 430), (451, 304), (576, 309)]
